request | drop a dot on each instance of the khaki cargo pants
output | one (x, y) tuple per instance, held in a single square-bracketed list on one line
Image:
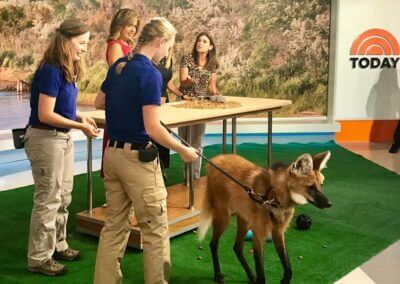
[(51, 154), (131, 182)]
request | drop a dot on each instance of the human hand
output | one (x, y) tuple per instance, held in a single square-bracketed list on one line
[(186, 97), (90, 130), (191, 80), (189, 154), (89, 120)]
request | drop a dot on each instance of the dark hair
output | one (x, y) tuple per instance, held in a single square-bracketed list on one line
[(212, 62)]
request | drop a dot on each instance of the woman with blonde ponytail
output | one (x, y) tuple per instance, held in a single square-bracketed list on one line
[(49, 145), (132, 173)]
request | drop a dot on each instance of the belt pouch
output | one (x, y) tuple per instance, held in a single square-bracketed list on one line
[(148, 152), (18, 137)]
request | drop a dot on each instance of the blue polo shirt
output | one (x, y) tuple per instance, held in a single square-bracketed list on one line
[(139, 84), (50, 81)]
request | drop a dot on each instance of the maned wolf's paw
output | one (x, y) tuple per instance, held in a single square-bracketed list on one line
[(219, 278), (260, 281), (252, 278)]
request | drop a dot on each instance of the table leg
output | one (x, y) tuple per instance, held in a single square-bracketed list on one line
[(224, 124), (186, 165), (234, 135), (191, 174), (269, 138), (89, 176)]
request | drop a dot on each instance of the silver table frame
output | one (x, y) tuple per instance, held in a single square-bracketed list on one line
[(189, 176)]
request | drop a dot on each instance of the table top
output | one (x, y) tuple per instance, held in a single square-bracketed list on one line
[(173, 116)]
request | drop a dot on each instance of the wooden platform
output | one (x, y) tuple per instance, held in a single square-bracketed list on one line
[(180, 218)]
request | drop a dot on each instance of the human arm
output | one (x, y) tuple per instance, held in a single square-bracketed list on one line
[(212, 85), (174, 89), (48, 116), (159, 134), (184, 78), (100, 101), (114, 53)]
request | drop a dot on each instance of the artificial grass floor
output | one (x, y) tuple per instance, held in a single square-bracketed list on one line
[(362, 221)]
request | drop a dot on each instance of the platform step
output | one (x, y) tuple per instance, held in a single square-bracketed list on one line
[(93, 228), (181, 219), (184, 226)]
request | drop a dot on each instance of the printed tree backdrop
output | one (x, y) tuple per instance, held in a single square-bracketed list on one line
[(266, 48)]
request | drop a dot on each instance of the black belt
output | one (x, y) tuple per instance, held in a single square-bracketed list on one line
[(48, 127), (121, 144)]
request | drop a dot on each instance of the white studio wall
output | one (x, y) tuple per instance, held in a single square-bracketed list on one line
[(366, 83)]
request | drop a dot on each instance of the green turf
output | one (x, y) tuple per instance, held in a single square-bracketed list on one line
[(362, 221)]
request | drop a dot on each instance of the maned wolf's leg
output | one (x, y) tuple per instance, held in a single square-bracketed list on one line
[(280, 246), (258, 247), (220, 223), (238, 247)]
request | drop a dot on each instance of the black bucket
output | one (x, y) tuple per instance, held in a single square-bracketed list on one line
[(18, 137)]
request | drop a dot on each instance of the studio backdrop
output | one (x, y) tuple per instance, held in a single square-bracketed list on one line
[(266, 48)]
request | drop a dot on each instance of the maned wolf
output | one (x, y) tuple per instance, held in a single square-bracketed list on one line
[(289, 186)]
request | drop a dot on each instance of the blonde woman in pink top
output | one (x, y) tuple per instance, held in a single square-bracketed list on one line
[(123, 29)]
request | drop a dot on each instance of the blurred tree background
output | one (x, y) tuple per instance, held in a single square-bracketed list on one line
[(266, 48)]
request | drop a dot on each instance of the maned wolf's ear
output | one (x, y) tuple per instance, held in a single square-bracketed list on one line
[(320, 160), (302, 166)]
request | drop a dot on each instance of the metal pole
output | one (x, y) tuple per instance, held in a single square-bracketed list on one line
[(191, 174), (224, 136), (269, 138), (89, 177), (234, 135), (186, 165)]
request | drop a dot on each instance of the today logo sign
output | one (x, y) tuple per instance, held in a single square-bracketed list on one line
[(373, 49)]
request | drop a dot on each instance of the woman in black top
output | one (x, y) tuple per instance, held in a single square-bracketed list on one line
[(165, 68)]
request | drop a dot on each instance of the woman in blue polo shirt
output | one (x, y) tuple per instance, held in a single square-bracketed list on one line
[(49, 146), (132, 91)]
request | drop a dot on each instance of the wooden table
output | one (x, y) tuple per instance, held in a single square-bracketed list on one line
[(181, 218)]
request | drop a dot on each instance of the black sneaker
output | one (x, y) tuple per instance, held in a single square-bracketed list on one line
[(394, 149), (49, 267), (68, 254)]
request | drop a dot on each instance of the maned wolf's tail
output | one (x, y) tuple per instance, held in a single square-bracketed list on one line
[(205, 217)]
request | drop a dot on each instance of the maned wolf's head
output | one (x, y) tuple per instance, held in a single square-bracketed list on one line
[(305, 180)]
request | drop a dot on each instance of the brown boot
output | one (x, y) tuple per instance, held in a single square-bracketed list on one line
[(68, 254), (49, 267)]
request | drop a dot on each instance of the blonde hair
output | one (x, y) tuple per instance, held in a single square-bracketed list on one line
[(166, 62), (157, 27), (59, 51), (123, 18)]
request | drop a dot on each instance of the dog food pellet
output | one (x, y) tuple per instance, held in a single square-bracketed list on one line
[(300, 257), (251, 251)]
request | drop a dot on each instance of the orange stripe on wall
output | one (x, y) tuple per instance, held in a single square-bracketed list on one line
[(366, 130)]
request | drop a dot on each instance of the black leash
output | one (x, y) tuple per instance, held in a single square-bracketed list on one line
[(261, 199)]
